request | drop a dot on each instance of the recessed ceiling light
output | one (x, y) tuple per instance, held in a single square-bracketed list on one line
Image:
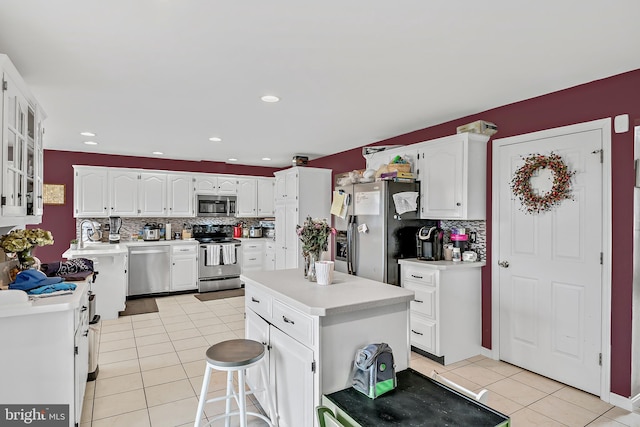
[(270, 98), (233, 159), (87, 134), (266, 159), (158, 152), (91, 143), (215, 139)]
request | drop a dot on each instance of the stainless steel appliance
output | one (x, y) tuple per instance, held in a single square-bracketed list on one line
[(208, 205), (115, 222), (218, 258), (148, 269), (151, 231), (373, 236), (255, 231)]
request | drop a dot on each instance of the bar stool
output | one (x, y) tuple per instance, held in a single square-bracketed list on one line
[(231, 356)]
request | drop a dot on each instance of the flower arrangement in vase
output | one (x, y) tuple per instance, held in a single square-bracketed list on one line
[(314, 234), (22, 242)]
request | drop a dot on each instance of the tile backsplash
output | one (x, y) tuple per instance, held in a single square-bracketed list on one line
[(133, 226), (479, 226)]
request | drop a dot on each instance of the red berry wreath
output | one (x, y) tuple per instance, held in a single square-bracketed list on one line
[(521, 183)]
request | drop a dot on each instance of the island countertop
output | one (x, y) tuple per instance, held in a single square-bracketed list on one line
[(347, 293)]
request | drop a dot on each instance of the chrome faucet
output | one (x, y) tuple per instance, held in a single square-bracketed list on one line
[(93, 228)]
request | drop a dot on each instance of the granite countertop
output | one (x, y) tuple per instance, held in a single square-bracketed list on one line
[(442, 265), (47, 304), (347, 293), (104, 249)]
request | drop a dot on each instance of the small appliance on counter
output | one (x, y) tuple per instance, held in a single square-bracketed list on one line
[(237, 230), (429, 243), (115, 222), (460, 241), (268, 229), (151, 231), (255, 231)]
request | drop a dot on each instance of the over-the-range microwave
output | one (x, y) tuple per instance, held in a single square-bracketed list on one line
[(208, 205)]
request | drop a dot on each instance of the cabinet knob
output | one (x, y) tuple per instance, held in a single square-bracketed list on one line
[(458, 204)]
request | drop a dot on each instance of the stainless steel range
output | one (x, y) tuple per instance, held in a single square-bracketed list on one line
[(218, 258)]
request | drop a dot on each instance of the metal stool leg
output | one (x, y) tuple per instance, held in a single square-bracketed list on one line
[(230, 393), (242, 399), (203, 395)]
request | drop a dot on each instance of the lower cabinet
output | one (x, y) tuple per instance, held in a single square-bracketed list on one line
[(445, 315), (45, 353), (290, 372), (184, 267), (269, 255), (252, 254)]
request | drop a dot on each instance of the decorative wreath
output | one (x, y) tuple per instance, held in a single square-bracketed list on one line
[(521, 183)]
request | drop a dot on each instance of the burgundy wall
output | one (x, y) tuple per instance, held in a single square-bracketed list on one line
[(603, 98), (58, 170)]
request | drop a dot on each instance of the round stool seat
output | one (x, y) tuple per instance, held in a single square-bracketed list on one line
[(234, 353)]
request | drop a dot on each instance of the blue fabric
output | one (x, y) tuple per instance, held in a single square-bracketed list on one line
[(47, 289), (31, 279)]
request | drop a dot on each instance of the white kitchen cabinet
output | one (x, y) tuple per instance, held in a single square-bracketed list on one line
[(255, 197), (91, 192), (227, 185), (265, 196), (452, 173), (180, 196), (152, 193), (290, 374), (45, 352), (21, 131), (445, 315), (206, 184), (184, 267), (300, 192), (252, 254), (123, 192), (269, 255), (247, 202)]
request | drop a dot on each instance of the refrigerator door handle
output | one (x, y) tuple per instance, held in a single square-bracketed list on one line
[(351, 245)]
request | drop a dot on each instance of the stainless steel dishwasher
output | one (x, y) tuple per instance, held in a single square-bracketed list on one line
[(149, 269)]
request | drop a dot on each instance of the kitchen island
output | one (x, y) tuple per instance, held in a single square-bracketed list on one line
[(314, 331)]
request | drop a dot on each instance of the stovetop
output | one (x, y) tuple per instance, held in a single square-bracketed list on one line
[(214, 234)]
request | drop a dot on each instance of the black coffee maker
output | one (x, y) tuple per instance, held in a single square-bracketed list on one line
[(429, 243)]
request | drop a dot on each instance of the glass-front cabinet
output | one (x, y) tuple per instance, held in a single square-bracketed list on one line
[(22, 150)]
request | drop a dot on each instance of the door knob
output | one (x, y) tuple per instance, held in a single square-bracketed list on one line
[(503, 264)]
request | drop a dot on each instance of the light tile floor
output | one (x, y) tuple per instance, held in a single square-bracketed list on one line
[(152, 365)]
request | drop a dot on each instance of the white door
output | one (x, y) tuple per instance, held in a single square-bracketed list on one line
[(550, 272), (246, 203), (265, 197), (291, 364), (124, 193), (184, 273), (180, 197), (153, 194)]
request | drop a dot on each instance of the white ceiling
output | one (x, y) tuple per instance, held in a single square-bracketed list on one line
[(165, 75)]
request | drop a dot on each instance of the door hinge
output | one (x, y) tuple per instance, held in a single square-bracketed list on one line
[(601, 151), (600, 359), (313, 366), (5, 86), (601, 258), (75, 349)]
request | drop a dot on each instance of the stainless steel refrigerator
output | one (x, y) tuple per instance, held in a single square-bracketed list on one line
[(372, 236)]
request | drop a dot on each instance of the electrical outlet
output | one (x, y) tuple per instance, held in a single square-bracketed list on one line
[(472, 237)]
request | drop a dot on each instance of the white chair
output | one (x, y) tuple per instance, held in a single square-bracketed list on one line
[(481, 396), (235, 356)]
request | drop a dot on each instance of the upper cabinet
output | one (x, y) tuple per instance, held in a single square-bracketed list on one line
[(22, 156), (90, 192), (152, 194), (181, 203), (123, 193), (286, 185), (452, 173), (216, 184), (255, 197)]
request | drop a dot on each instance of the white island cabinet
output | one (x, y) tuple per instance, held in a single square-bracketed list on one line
[(313, 332), (45, 352)]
